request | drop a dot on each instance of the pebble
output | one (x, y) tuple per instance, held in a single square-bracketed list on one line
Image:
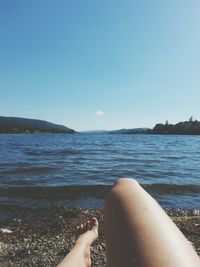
[(5, 231)]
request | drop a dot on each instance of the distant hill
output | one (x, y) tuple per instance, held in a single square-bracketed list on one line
[(21, 125), (95, 132), (132, 131)]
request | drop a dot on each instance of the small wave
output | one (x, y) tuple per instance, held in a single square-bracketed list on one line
[(173, 157), (173, 188), (93, 190), (55, 191), (51, 153), (36, 170)]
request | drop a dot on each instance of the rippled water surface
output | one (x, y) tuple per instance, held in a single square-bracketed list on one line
[(77, 170)]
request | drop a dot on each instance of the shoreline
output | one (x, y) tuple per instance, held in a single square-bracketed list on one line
[(42, 237)]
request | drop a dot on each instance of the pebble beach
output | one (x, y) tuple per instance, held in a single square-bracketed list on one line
[(42, 237)]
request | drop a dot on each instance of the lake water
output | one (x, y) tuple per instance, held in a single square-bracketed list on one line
[(78, 170)]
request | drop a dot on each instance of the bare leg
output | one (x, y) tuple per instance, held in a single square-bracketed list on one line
[(79, 256), (139, 233)]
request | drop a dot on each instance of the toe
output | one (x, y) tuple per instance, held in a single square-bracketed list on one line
[(94, 222)]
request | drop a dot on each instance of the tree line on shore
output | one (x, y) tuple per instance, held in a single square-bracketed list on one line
[(187, 127), (190, 127), (22, 125)]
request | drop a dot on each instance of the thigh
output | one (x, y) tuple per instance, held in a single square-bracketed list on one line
[(139, 232)]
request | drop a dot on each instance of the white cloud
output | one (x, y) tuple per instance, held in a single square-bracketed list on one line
[(99, 113)]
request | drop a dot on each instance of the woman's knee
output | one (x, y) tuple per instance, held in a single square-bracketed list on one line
[(121, 187), (126, 182)]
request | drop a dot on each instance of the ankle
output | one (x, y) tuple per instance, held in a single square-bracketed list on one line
[(84, 249), (82, 243)]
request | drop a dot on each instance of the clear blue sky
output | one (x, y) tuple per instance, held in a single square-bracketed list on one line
[(135, 63)]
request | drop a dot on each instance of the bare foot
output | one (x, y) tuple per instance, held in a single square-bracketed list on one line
[(87, 234)]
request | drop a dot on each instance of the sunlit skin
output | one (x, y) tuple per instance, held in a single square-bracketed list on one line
[(80, 254), (138, 233)]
